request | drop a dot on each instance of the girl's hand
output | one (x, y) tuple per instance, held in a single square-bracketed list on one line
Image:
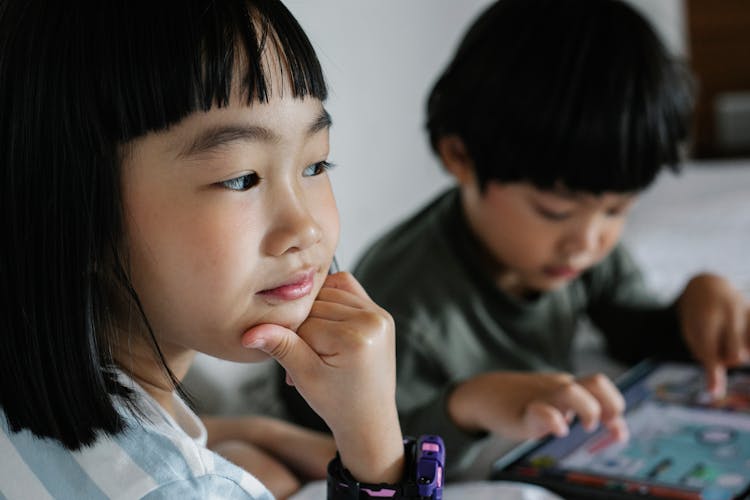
[(342, 361), (528, 405), (715, 320)]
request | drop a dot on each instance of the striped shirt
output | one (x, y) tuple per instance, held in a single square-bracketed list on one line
[(156, 457)]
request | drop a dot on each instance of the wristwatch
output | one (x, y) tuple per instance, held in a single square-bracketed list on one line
[(423, 478)]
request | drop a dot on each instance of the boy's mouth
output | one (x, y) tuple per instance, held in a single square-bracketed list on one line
[(561, 272), (299, 285)]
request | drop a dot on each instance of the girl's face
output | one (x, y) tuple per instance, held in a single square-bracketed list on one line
[(230, 222)]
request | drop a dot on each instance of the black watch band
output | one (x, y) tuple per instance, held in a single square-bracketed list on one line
[(424, 463)]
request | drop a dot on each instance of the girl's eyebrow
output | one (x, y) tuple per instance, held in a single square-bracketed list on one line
[(216, 137)]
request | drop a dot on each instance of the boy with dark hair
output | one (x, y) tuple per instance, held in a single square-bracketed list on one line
[(552, 117)]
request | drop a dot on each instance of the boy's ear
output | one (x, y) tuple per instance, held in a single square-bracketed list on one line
[(456, 159)]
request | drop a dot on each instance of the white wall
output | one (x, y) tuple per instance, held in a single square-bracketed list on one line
[(380, 58), (668, 17)]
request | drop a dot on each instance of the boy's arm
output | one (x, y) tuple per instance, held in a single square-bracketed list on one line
[(708, 322), (519, 405), (635, 323), (513, 405)]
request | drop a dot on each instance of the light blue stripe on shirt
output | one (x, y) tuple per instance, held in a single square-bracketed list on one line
[(154, 453), (53, 465)]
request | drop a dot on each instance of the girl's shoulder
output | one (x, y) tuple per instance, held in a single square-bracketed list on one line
[(152, 458)]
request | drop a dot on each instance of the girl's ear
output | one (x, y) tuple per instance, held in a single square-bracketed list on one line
[(456, 159)]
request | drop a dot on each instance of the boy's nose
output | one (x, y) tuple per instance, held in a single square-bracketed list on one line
[(293, 228), (584, 238)]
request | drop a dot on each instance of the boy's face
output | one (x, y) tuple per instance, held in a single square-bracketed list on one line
[(540, 240), (230, 222)]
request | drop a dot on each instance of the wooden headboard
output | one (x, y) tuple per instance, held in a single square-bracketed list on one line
[(719, 45)]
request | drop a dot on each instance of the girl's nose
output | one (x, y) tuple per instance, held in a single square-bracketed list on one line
[(293, 227)]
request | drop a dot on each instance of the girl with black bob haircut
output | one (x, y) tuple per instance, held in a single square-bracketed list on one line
[(580, 93), (165, 192)]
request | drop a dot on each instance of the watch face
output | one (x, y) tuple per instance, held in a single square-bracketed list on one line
[(430, 460)]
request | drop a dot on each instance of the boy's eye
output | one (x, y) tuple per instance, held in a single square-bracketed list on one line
[(316, 169), (617, 211), (551, 214), (242, 183)]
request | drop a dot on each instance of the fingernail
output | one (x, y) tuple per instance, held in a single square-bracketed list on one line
[(257, 343)]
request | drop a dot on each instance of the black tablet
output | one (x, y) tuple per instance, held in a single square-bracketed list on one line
[(683, 445)]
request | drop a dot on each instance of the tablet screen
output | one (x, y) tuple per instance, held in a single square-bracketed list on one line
[(683, 444)]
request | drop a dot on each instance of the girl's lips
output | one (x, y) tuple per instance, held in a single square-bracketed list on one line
[(298, 286)]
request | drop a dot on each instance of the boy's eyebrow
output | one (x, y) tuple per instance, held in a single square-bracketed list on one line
[(563, 192), (567, 194), (216, 137)]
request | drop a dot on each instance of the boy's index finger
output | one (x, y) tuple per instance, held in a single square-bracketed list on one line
[(716, 379)]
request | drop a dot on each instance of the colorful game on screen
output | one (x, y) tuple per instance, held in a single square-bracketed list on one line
[(683, 444)]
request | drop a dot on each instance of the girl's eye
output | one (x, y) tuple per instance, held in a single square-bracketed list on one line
[(316, 169), (242, 183)]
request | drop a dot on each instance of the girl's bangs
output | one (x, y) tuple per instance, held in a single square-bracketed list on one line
[(188, 56)]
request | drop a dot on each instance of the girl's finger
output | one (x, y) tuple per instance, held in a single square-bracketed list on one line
[(284, 346), (341, 296), (332, 311), (345, 281), (329, 337), (351, 338)]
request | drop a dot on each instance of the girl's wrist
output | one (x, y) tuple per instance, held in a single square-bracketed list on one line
[(373, 453), (422, 475)]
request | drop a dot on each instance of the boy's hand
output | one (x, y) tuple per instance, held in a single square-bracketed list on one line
[(715, 320), (342, 361), (528, 405)]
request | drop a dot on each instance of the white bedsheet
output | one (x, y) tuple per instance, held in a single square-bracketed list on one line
[(695, 221), (474, 490)]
